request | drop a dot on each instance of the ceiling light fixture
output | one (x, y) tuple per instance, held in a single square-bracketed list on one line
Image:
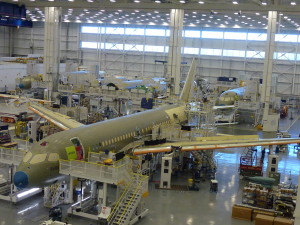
[(235, 2), (136, 1), (201, 2), (293, 3), (157, 1), (182, 1), (112, 0), (264, 3)]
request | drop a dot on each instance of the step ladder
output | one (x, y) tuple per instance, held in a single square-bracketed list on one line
[(124, 210)]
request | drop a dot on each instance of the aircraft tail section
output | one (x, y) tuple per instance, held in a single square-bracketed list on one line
[(184, 97)]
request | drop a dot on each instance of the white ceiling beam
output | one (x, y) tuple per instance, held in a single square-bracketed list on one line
[(245, 7)]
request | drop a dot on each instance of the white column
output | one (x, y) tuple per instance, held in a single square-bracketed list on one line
[(175, 44), (104, 194), (71, 187), (267, 73), (52, 47)]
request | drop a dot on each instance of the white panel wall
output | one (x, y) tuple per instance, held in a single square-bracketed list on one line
[(4, 41), (142, 63)]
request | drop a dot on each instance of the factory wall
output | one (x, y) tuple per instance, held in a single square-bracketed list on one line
[(132, 50), (31, 40), (4, 41)]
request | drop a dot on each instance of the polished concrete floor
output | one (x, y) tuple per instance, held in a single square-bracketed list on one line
[(178, 207)]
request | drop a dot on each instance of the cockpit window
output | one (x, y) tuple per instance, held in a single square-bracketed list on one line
[(53, 157), (27, 156), (38, 158), (44, 143)]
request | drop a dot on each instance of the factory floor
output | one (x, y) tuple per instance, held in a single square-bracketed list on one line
[(178, 207)]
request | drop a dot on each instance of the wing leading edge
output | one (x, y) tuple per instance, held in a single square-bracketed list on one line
[(62, 121)]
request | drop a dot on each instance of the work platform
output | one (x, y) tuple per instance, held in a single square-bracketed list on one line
[(8, 192), (110, 174), (132, 187), (11, 156)]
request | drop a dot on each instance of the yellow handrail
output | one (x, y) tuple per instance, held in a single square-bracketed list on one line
[(119, 201), (133, 196)]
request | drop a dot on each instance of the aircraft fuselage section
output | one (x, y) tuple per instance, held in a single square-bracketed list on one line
[(40, 165)]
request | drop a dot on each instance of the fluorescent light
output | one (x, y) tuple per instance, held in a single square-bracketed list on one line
[(235, 2), (293, 3), (30, 191), (182, 1), (201, 2), (157, 1), (136, 1), (264, 3)]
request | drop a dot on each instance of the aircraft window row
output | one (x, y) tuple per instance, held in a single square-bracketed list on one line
[(127, 135), (116, 139)]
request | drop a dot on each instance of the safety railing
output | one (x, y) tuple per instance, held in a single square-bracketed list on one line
[(93, 171), (11, 156)]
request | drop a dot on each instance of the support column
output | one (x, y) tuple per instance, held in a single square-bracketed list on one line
[(71, 187), (52, 48), (175, 44), (11, 33), (270, 122)]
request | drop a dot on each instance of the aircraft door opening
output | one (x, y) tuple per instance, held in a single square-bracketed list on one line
[(79, 148)]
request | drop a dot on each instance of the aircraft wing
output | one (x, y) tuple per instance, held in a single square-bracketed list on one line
[(211, 143), (223, 107), (62, 121), (24, 98)]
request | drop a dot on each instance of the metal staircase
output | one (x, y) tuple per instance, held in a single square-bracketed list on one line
[(127, 206)]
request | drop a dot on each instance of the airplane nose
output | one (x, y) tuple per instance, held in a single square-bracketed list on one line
[(20, 179)]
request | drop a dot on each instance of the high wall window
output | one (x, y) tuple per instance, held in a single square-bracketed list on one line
[(85, 44), (207, 51), (92, 30), (114, 30), (286, 38), (156, 41), (134, 31), (192, 51), (235, 35), (255, 54), (284, 56), (155, 32), (233, 53), (257, 36), (154, 48), (133, 47), (192, 33), (212, 34)]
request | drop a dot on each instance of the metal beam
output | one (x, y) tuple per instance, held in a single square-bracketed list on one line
[(245, 7)]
